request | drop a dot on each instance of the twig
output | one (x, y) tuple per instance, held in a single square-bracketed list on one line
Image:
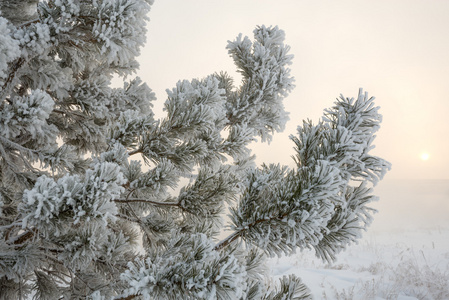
[(235, 235), (137, 200), (16, 65)]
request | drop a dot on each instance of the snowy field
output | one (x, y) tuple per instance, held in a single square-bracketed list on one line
[(404, 255)]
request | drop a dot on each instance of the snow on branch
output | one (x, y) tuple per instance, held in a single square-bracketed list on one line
[(101, 200)]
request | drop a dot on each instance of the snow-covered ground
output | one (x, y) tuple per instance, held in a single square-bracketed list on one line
[(384, 265), (404, 255)]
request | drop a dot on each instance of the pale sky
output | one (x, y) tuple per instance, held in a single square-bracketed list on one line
[(397, 51)]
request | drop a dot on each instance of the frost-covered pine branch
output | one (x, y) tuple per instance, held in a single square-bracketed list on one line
[(92, 200)]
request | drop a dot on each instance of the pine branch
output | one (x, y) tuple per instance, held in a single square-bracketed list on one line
[(28, 23), (24, 237), (228, 240), (157, 203), (6, 88), (127, 297), (136, 151), (16, 146), (161, 132), (232, 237)]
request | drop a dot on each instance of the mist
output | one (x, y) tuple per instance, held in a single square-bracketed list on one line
[(411, 204)]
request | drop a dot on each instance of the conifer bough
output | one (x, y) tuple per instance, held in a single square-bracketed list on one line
[(88, 202)]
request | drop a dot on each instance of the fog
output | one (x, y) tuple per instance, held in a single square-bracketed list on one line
[(411, 204)]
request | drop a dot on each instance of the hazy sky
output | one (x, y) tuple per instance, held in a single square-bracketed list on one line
[(398, 51)]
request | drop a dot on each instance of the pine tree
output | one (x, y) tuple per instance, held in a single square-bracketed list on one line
[(90, 206)]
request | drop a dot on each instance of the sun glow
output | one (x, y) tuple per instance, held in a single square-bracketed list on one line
[(424, 156)]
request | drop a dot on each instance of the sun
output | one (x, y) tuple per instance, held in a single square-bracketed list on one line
[(424, 156)]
